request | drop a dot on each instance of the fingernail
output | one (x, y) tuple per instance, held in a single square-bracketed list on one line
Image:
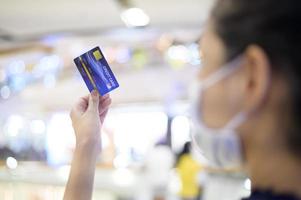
[(94, 93)]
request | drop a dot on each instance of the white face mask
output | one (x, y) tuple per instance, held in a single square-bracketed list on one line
[(222, 146)]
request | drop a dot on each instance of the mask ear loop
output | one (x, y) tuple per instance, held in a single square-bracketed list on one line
[(194, 143), (242, 117), (225, 71), (237, 121)]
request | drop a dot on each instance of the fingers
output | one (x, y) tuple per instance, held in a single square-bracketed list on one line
[(104, 104), (82, 104), (79, 107), (85, 98), (104, 107), (103, 98), (103, 115), (93, 101)]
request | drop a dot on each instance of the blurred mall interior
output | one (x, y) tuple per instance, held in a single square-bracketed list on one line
[(152, 47)]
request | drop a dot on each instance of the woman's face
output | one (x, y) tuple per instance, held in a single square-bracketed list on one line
[(252, 89), (221, 102)]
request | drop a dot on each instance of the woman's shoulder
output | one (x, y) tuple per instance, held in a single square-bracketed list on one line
[(269, 195)]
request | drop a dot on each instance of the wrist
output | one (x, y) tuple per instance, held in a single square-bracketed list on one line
[(90, 147)]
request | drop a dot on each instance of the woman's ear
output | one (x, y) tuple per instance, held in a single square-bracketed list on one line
[(258, 78)]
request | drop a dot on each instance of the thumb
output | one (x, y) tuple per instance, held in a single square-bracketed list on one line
[(93, 101)]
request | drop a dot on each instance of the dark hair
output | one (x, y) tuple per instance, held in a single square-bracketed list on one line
[(186, 150), (275, 26)]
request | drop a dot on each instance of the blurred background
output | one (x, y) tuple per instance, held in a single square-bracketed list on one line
[(152, 47)]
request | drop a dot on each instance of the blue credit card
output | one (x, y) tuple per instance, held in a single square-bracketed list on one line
[(96, 71)]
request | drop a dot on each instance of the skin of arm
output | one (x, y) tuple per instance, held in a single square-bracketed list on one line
[(87, 117)]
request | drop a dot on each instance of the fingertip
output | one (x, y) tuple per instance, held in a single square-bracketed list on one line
[(107, 101), (95, 93), (94, 96), (104, 98)]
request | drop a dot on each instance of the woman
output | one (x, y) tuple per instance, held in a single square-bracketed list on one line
[(247, 113), (250, 94), (188, 170)]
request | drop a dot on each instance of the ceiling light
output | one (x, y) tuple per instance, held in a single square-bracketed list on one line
[(135, 17)]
